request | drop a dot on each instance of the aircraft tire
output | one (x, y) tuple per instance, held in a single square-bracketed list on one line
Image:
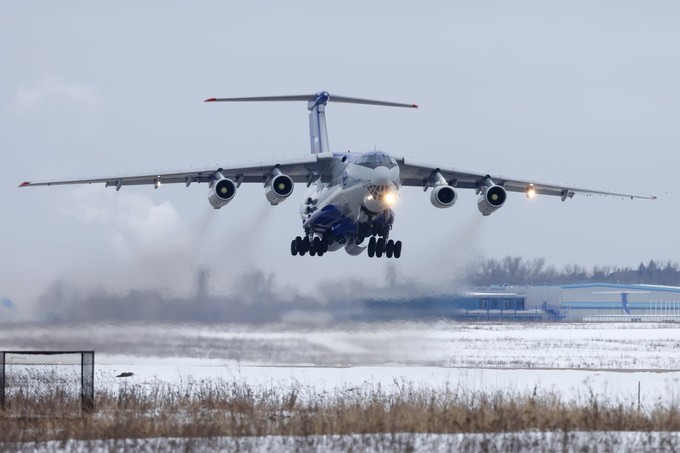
[(389, 248), (293, 248), (312, 252), (306, 245), (397, 249), (371, 247), (380, 247)]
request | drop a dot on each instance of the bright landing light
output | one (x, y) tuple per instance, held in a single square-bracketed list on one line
[(531, 192), (390, 198)]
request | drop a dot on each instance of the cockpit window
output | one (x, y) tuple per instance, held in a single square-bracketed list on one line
[(375, 160)]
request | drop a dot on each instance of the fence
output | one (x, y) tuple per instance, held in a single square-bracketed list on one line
[(40, 383)]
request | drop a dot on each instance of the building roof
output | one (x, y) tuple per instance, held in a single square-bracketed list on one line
[(621, 286)]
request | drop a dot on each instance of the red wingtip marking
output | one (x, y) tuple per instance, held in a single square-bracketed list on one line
[(415, 106), (210, 100), (25, 183)]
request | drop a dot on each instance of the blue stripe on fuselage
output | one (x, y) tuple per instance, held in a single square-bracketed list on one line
[(330, 218)]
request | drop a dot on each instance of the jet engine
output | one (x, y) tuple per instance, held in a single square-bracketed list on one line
[(443, 196), (278, 188), (222, 192), (491, 199)]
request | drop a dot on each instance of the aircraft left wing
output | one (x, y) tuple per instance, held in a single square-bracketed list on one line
[(301, 169), (422, 174)]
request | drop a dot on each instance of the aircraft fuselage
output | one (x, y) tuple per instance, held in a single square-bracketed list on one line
[(353, 202)]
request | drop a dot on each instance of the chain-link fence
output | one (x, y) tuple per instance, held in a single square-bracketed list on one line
[(46, 383)]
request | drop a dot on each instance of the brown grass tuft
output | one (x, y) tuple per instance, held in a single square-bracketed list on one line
[(232, 408)]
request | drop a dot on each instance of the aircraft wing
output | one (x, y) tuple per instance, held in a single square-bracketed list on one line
[(417, 173), (300, 169)]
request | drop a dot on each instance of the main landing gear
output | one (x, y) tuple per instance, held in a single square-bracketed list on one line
[(316, 246), (380, 246)]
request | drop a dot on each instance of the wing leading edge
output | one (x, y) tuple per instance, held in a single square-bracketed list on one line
[(310, 167), (417, 173), (302, 169)]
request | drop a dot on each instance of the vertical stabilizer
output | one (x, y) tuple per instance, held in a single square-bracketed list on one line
[(318, 134)]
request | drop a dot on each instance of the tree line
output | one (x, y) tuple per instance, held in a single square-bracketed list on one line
[(515, 270)]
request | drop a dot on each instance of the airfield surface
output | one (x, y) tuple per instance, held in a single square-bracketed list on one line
[(576, 362), (571, 359)]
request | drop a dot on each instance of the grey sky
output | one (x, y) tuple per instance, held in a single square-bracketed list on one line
[(579, 92)]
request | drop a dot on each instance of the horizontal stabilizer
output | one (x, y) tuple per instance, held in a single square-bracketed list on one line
[(316, 104), (314, 98)]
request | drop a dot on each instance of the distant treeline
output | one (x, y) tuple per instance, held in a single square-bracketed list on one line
[(256, 296), (514, 270)]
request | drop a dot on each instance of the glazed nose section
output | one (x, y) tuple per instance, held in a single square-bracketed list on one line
[(380, 197)]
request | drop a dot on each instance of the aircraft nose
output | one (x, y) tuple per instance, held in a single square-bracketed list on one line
[(381, 196)]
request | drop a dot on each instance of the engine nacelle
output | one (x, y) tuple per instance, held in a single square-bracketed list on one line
[(279, 188), (491, 199), (221, 193), (443, 196)]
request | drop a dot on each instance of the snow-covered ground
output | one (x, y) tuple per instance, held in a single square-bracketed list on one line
[(654, 347), (470, 442), (574, 360)]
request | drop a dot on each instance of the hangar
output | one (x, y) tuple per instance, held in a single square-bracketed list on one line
[(587, 302), (609, 301)]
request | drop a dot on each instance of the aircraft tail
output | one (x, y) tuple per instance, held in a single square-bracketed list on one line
[(316, 104)]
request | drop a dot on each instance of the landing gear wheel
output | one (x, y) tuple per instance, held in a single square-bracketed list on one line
[(293, 248), (371, 247), (389, 248), (306, 247), (397, 249), (318, 247), (380, 247)]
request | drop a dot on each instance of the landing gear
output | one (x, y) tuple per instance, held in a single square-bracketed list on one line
[(300, 246), (397, 249), (378, 247), (315, 247), (389, 248), (319, 246), (371, 247)]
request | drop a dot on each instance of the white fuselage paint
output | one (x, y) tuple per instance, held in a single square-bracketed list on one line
[(350, 190)]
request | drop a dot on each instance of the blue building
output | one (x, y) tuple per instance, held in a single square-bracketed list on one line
[(610, 301)]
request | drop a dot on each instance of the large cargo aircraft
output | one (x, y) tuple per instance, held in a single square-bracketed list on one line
[(349, 196)]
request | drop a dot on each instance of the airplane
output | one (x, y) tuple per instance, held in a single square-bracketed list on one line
[(349, 196)]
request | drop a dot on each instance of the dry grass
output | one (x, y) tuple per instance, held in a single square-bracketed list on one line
[(204, 409)]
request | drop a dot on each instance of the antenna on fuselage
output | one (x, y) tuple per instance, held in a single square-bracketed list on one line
[(316, 104)]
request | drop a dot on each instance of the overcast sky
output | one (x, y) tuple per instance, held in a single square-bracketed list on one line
[(578, 92)]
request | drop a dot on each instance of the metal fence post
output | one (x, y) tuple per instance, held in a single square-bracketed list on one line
[(87, 381), (2, 380)]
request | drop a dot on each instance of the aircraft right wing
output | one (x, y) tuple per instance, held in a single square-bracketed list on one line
[(300, 169)]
